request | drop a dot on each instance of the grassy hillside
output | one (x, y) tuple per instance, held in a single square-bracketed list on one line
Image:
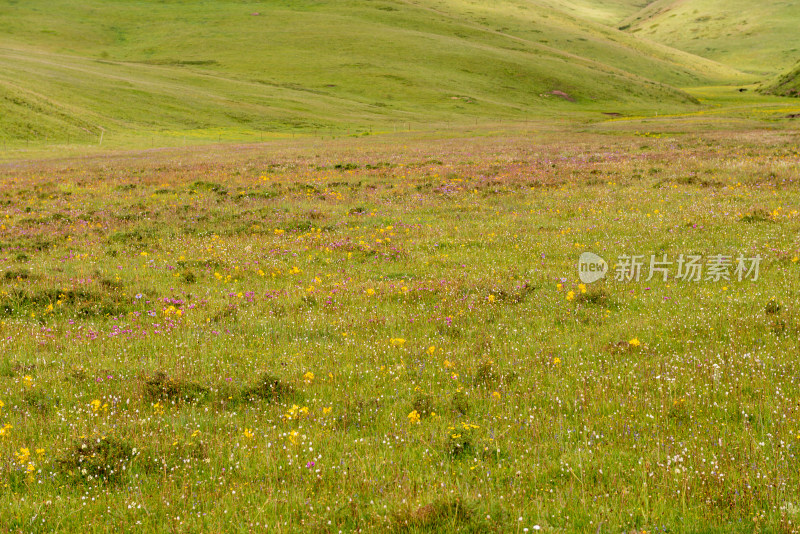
[(609, 12), (72, 69), (758, 37), (786, 85)]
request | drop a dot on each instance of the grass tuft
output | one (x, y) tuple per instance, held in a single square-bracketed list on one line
[(160, 387), (269, 388), (104, 459)]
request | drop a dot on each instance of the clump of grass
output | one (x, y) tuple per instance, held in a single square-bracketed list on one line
[(82, 303), (17, 274), (161, 387), (346, 166), (459, 446), (212, 187), (698, 180), (459, 403), (299, 226), (268, 388), (516, 295), (679, 411), (620, 347), (105, 458), (229, 311), (110, 285), (461, 441), (486, 375), (772, 307), (595, 296), (439, 516), (11, 368), (40, 400), (756, 215), (779, 326), (358, 210), (423, 404), (77, 373), (137, 236), (780, 320)]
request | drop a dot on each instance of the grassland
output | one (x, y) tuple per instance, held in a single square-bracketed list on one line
[(756, 37), (610, 13), (71, 71), (301, 266), (388, 334)]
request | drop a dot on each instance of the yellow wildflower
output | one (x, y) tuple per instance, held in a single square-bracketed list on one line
[(22, 455)]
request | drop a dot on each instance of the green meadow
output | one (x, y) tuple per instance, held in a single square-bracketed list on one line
[(389, 333), (272, 266)]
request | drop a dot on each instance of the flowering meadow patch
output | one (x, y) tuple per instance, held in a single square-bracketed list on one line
[(361, 335)]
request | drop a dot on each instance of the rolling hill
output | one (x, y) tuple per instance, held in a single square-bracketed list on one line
[(609, 12), (786, 85), (72, 69), (756, 37)]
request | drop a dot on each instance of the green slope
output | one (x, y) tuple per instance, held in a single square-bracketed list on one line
[(757, 37), (610, 12), (786, 85), (70, 68)]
